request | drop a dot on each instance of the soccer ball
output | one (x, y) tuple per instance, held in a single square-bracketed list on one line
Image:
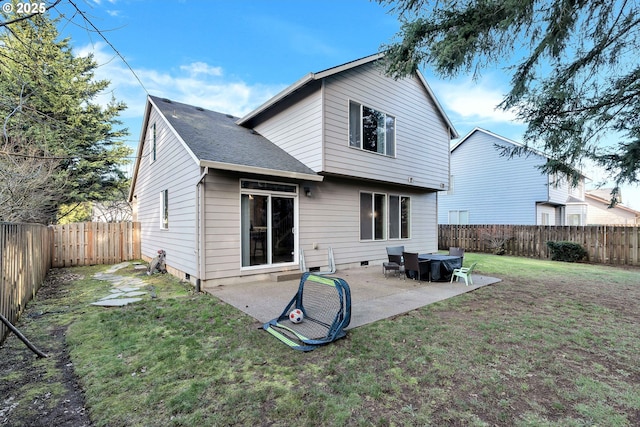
[(296, 316)]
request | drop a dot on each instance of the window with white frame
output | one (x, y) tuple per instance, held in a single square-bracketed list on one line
[(545, 218), (399, 208), (371, 130), (458, 217), (164, 209), (574, 219), (154, 144), (384, 216)]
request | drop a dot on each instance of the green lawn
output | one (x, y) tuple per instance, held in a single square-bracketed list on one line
[(552, 344)]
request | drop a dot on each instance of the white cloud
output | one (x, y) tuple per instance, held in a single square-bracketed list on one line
[(197, 83), (196, 68), (473, 101)]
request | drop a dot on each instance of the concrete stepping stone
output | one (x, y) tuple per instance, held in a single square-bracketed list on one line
[(118, 302), (125, 289)]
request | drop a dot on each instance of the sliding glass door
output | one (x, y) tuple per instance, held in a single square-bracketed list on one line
[(268, 223)]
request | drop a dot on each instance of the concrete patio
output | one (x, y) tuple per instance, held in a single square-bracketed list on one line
[(372, 296)]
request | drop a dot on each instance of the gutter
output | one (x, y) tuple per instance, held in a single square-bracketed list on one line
[(200, 232)]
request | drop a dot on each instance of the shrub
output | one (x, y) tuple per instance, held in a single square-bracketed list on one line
[(566, 251)]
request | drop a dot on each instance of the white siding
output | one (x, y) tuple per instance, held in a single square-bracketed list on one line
[(558, 190), (174, 170), (422, 137), (494, 189), (298, 130), (547, 210)]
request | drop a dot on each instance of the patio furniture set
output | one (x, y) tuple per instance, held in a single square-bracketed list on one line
[(428, 267)]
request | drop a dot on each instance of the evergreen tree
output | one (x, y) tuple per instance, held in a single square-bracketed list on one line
[(58, 146), (575, 74)]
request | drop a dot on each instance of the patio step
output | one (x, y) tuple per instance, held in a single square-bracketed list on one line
[(283, 276)]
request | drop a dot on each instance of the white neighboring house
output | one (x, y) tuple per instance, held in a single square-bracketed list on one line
[(345, 158), (488, 188), (600, 213)]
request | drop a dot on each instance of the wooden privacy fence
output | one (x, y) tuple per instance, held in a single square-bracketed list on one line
[(605, 244), (25, 259), (88, 243), (28, 251)]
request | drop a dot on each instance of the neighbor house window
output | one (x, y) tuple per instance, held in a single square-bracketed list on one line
[(164, 209), (574, 219), (544, 218), (371, 130), (399, 209), (458, 217)]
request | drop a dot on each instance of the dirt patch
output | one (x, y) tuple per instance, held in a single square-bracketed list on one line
[(41, 391)]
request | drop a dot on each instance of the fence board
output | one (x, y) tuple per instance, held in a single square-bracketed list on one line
[(91, 243), (25, 259), (605, 244)]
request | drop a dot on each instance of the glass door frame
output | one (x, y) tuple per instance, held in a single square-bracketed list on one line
[(270, 190)]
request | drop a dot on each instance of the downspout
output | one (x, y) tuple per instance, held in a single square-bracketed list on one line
[(200, 229)]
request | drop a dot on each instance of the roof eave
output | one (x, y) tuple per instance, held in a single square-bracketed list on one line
[(145, 121), (261, 171), (453, 133), (304, 81)]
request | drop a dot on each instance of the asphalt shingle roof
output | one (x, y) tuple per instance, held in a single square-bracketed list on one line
[(216, 137)]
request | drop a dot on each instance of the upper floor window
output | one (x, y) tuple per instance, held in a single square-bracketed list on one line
[(154, 143), (371, 130)]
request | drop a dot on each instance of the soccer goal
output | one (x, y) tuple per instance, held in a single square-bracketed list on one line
[(325, 303)]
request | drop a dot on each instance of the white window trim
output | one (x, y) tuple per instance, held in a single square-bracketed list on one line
[(387, 219), (296, 219), (164, 207), (361, 148), (400, 197), (153, 145)]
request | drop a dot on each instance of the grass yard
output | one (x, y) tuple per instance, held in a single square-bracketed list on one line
[(553, 344)]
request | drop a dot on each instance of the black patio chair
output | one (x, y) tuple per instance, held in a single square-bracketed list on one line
[(395, 263), (413, 264)]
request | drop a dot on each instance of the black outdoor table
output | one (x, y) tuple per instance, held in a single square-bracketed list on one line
[(441, 266)]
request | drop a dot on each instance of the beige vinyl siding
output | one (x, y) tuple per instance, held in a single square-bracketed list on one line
[(298, 130), (422, 138), (222, 225), (176, 171), (330, 218), (598, 212)]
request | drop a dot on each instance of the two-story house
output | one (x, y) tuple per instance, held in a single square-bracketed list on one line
[(487, 187), (346, 158)]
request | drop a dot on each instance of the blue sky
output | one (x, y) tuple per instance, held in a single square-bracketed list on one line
[(232, 55)]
